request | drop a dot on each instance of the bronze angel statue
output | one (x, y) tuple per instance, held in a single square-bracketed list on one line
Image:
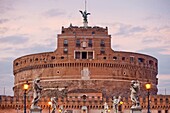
[(84, 15)]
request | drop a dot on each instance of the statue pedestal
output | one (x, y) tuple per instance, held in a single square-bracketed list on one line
[(35, 110), (85, 24), (136, 110)]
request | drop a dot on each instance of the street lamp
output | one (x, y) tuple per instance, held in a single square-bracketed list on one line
[(26, 86), (59, 110), (49, 104), (148, 87), (121, 102)]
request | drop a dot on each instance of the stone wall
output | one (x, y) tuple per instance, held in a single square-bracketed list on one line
[(94, 104), (110, 70)]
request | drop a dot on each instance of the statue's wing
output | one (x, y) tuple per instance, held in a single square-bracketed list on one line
[(88, 13), (81, 11)]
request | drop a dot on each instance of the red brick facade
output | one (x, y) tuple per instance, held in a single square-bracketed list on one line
[(84, 60)]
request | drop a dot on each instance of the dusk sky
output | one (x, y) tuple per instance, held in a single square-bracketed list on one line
[(31, 26)]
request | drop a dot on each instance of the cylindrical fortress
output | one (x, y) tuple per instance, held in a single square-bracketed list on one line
[(84, 60)]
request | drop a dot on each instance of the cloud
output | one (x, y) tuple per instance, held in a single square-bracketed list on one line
[(54, 13), (139, 38), (3, 21), (3, 30), (6, 84), (150, 40), (15, 39), (163, 84), (7, 79), (124, 29), (5, 6)]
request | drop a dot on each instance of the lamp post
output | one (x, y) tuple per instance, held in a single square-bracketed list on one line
[(148, 87), (25, 91), (120, 106), (59, 110), (49, 104)]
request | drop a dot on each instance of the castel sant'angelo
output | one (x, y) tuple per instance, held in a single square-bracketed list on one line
[(84, 64)]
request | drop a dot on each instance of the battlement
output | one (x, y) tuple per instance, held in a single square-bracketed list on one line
[(157, 101), (75, 30)]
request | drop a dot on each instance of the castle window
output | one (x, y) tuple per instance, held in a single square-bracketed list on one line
[(150, 62), (65, 42), (52, 57), (62, 57), (156, 64), (102, 43), (90, 55), (114, 58), (77, 55), (155, 101), (102, 51), (140, 60), (104, 58), (36, 59), (123, 58), (166, 111), (159, 111), (161, 100), (93, 32), (78, 43), (90, 44), (65, 50), (131, 58), (17, 64), (84, 55), (167, 101)]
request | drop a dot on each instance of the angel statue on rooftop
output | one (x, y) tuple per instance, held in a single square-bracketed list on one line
[(84, 15)]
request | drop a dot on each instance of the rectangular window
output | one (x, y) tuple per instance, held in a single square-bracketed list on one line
[(166, 111), (65, 42), (77, 55), (78, 43), (102, 44), (90, 55), (114, 58), (90, 44), (155, 101), (151, 62), (131, 58), (159, 111), (84, 55), (140, 60), (102, 51), (161, 100), (123, 58), (167, 101)]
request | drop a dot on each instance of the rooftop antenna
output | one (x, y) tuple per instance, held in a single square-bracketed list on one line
[(84, 15), (4, 90), (85, 4)]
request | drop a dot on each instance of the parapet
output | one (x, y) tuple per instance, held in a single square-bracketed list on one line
[(75, 30)]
